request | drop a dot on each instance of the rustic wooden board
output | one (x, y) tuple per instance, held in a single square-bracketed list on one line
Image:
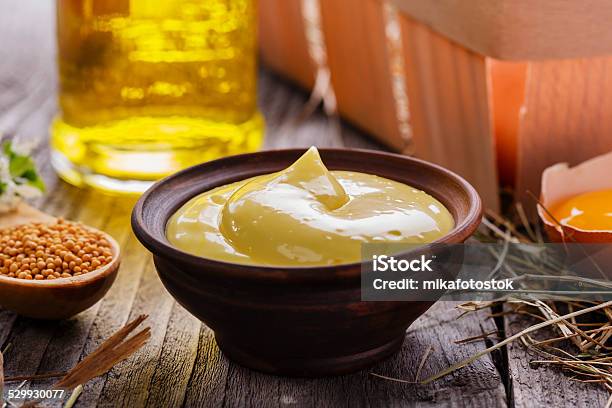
[(356, 44), (507, 99), (565, 118), (450, 117), (520, 29), (359, 63), (543, 386), (181, 365), (283, 40), (449, 111), (478, 385)]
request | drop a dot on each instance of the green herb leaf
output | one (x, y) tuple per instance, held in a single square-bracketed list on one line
[(22, 168)]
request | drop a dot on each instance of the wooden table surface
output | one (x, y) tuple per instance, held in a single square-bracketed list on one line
[(181, 364)]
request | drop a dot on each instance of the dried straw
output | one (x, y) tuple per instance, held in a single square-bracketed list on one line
[(580, 347), (426, 354), (589, 358), (111, 352), (76, 393), (516, 336)]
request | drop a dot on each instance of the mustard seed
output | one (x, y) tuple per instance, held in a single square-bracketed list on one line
[(50, 251)]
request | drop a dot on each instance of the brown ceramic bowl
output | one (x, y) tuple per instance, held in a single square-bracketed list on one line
[(300, 321), (59, 298)]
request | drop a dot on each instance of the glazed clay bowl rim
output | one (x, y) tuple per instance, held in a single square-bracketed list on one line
[(74, 281), (160, 246)]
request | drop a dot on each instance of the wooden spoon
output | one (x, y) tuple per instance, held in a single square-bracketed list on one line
[(24, 214), (58, 298)]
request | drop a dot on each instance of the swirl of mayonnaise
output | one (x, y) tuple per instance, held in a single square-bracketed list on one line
[(305, 215)]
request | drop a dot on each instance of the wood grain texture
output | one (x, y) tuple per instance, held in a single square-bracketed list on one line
[(520, 29), (507, 99), (476, 386), (22, 214), (566, 118), (359, 63), (545, 386), (449, 110), (182, 365), (282, 41)]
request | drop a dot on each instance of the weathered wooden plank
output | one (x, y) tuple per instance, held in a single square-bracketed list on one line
[(544, 386), (128, 382), (179, 351), (280, 106), (30, 335), (116, 306), (565, 118), (7, 319), (66, 346), (283, 40), (356, 42), (207, 385), (449, 111), (478, 385), (182, 364), (162, 374), (55, 346), (281, 103), (27, 84), (61, 208), (63, 349)]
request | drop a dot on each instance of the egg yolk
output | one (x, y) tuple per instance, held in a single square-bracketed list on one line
[(589, 211)]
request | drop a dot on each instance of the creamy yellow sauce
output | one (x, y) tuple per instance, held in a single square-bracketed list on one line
[(305, 215)]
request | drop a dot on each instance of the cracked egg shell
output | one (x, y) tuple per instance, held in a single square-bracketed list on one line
[(561, 183)]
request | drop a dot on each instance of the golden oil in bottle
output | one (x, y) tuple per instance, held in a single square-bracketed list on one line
[(148, 87)]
